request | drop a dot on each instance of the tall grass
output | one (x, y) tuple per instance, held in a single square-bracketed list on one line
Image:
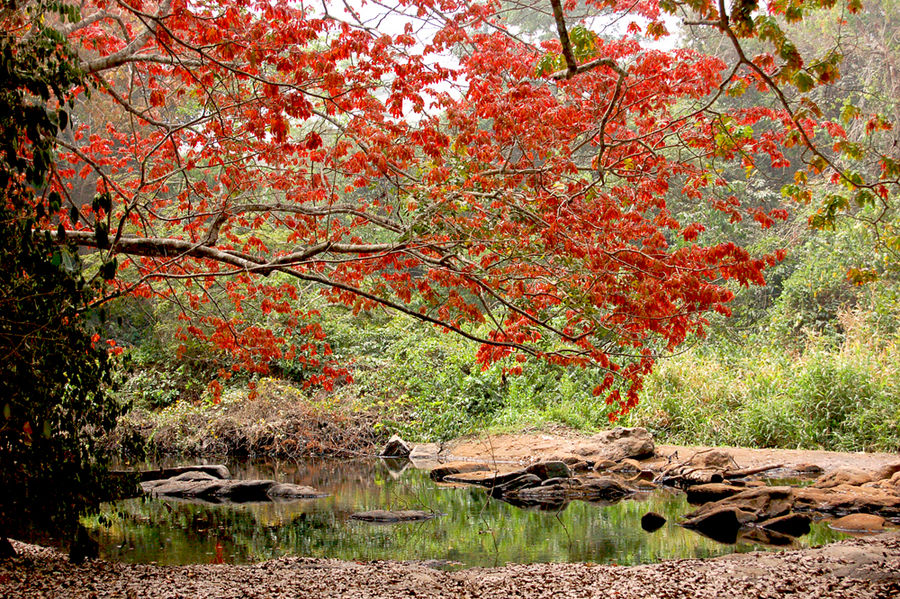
[(840, 396)]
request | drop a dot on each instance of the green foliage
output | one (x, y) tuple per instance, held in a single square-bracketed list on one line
[(429, 387), (829, 396), (54, 373)]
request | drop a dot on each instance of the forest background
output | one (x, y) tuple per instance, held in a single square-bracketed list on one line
[(809, 360)]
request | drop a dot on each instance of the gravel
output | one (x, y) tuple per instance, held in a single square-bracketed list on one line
[(856, 568)]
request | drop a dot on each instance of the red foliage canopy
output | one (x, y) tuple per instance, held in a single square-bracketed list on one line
[(424, 157)]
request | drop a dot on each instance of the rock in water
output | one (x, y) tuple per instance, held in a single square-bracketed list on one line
[(545, 470), (795, 525), (651, 521), (843, 476), (808, 469), (520, 482), (390, 517), (603, 488), (290, 491), (859, 523), (764, 502), (617, 444), (699, 494), (721, 524), (214, 470), (438, 474), (199, 485), (188, 484), (395, 448)]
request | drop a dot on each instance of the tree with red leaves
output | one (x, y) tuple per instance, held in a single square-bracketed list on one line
[(433, 159)]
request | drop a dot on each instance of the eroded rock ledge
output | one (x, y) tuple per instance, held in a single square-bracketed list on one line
[(213, 484)]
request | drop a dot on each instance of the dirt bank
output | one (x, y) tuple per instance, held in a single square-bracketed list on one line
[(535, 446), (854, 569)]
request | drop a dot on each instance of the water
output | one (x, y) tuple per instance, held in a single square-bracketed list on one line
[(474, 529)]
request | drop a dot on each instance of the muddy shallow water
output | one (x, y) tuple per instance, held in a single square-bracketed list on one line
[(472, 530)]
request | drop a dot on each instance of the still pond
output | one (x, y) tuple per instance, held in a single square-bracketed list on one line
[(472, 530)]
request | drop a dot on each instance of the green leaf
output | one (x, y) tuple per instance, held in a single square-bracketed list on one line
[(849, 112), (803, 81)]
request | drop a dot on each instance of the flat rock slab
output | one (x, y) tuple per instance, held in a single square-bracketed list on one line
[(594, 489), (214, 470), (847, 499), (697, 494), (483, 478), (199, 485), (843, 476), (393, 516), (440, 473)]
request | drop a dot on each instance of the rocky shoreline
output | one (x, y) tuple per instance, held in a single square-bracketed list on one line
[(727, 487)]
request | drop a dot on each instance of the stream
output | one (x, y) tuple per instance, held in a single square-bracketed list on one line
[(472, 530)]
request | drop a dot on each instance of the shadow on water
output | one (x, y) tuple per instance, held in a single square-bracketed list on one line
[(473, 530)]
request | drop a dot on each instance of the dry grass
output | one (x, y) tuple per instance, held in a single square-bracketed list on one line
[(279, 422)]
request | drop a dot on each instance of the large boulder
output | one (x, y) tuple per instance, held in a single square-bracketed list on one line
[(395, 448), (859, 523), (713, 459), (843, 476), (617, 444)]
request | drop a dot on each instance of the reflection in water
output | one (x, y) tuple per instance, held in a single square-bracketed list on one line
[(474, 530)]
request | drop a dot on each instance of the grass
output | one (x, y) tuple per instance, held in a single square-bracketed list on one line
[(829, 396)]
